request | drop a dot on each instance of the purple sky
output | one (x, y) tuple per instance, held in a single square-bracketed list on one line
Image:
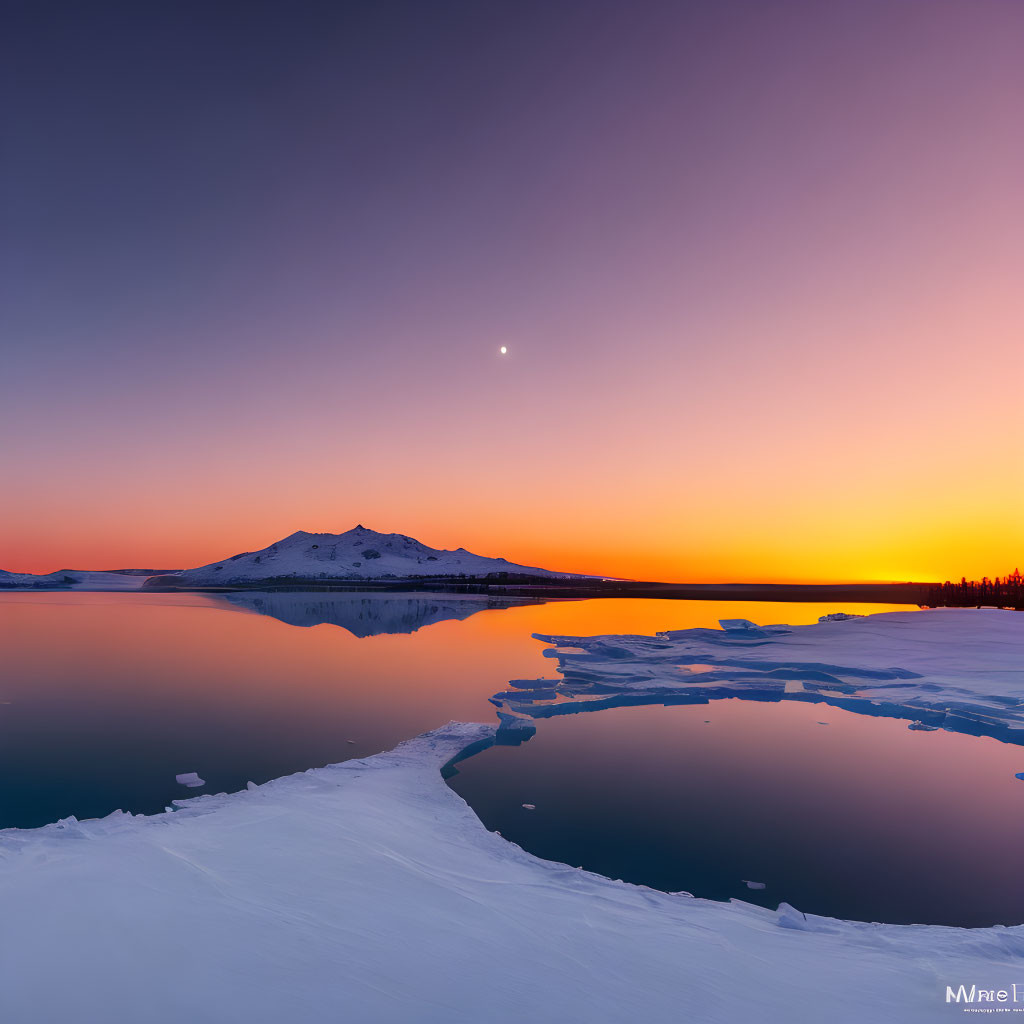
[(757, 266)]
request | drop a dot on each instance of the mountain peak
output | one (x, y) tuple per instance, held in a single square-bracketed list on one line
[(358, 554)]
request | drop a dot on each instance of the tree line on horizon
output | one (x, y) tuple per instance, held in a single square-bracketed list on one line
[(1007, 592)]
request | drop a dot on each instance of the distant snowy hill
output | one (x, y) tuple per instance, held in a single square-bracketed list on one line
[(70, 579), (358, 554), (11, 580)]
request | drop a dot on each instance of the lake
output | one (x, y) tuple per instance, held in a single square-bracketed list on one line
[(106, 697)]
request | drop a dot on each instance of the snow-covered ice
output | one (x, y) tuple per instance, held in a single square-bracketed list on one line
[(368, 891), (955, 668)]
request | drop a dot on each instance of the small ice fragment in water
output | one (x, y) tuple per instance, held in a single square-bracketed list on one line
[(530, 807), (1019, 775), (753, 885), (350, 741), (922, 727), (190, 779), (824, 723)]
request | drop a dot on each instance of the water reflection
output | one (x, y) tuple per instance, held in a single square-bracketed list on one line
[(368, 614), (110, 696)]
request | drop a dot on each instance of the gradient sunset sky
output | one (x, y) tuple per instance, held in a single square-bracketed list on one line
[(759, 267)]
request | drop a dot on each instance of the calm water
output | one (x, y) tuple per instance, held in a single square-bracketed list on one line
[(104, 698), (859, 818)]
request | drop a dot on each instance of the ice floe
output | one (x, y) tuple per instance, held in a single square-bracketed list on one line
[(953, 668)]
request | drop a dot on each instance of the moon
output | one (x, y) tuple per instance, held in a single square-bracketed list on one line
[(503, 350)]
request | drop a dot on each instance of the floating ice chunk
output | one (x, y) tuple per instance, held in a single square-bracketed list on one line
[(753, 885), (189, 779), (824, 723), (1019, 775), (729, 624), (921, 727), (530, 807)]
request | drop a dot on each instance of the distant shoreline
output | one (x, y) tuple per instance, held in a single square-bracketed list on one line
[(867, 593)]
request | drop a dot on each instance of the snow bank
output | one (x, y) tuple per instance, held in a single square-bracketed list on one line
[(955, 668), (368, 891)]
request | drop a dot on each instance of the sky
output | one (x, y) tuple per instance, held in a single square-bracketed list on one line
[(757, 267)]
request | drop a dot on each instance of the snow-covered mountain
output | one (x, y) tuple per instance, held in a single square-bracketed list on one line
[(359, 554)]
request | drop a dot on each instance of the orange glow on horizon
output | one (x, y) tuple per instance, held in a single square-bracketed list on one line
[(829, 550)]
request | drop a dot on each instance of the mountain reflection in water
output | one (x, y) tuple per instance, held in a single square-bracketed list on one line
[(366, 615)]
